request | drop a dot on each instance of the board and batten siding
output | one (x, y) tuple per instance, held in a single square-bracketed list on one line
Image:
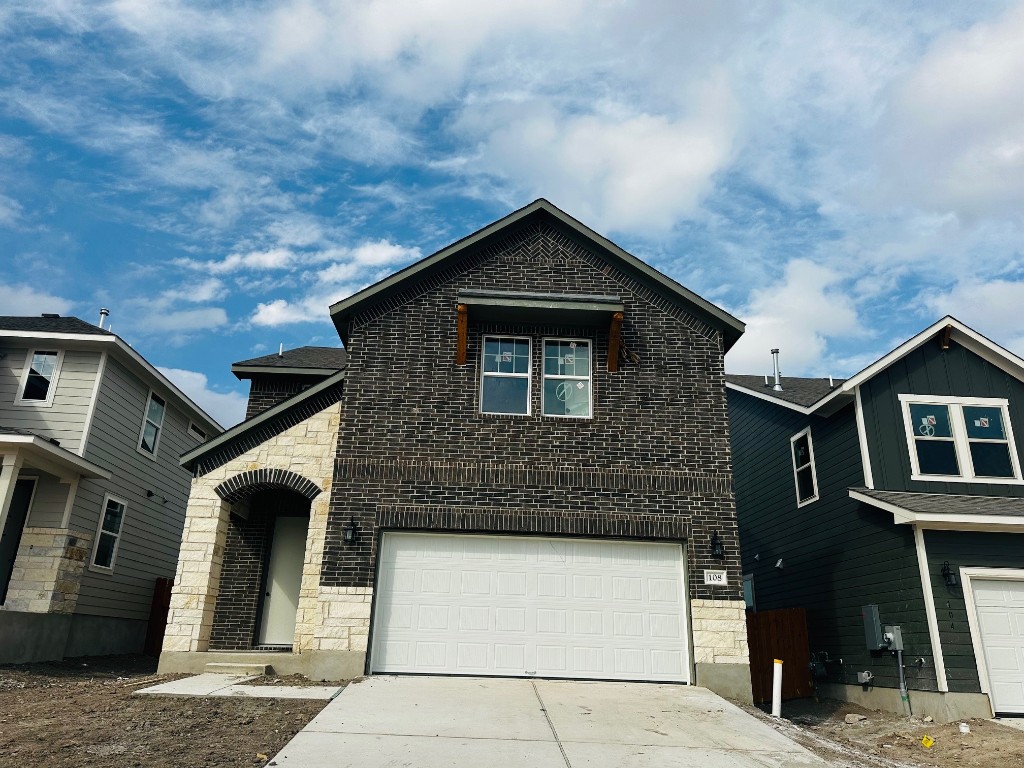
[(65, 418), (151, 535), (837, 554), (928, 370), (970, 549)]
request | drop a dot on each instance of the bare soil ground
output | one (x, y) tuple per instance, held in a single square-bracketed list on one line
[(81, 712), (885, 740)]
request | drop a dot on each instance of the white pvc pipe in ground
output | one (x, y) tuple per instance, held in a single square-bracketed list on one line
[(777, 690)]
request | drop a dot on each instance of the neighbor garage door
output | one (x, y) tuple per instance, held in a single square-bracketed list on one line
[(1000, 606), (518, 606)]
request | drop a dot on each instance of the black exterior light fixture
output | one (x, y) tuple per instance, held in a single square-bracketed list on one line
[(716, 546), (947, 575), (351, 531)]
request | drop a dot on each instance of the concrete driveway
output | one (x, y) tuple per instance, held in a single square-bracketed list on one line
[(457, 721)]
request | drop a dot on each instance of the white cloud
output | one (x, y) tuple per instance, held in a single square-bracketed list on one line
[(992, 307), (19, 299), (226, 407), (955, 124), (10, 211), (798, 314), (183, 321)]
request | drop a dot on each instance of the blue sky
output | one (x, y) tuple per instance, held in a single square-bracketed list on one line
[(838, 175)]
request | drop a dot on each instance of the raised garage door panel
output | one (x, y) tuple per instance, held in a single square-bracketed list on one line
[(1000, 606), (523, 606)]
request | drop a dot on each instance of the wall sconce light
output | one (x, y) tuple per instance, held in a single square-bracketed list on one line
[(351, 531), (947, 575), (716, 546)]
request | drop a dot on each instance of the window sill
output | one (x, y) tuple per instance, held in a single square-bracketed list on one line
[(968, 480), (34, 403), (805, 502), (147, 454), (100, 569)]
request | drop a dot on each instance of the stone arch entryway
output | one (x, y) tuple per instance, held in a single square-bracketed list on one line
[(264, 553)]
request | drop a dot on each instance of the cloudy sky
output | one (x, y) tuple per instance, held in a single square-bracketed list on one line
[(838, 175)]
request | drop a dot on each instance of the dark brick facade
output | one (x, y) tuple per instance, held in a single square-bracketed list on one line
[(241, 579), (266, 391), (415, 453)]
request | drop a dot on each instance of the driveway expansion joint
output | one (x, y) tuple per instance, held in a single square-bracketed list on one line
[(551, 725)]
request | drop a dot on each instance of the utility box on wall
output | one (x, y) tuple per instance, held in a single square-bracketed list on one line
[(872, 628)]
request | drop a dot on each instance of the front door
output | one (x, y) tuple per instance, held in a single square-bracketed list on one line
[(21, 500), (284, 578)]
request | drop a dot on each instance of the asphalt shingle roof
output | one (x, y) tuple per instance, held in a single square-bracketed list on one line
[(50, 325), (26, 433), (948, 504), (302, 357), (796, 390)]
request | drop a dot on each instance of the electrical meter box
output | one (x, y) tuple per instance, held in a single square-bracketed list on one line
[(872, 628)]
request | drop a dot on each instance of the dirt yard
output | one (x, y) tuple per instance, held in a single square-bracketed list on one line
[(81, 713), (887, 741)]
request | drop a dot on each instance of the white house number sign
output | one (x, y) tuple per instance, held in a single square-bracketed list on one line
[(715, 577)]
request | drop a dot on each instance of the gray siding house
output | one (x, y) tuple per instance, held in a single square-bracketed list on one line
[(901, 488), (519, 468), (92, 497)]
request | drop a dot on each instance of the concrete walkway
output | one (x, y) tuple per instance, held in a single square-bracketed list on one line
[(428, 722), (210, 684)]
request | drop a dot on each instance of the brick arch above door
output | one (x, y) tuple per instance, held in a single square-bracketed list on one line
[(245, 484)]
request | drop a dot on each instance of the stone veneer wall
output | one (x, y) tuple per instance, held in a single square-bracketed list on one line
[(328, 618), (719, 632), (47, 571)]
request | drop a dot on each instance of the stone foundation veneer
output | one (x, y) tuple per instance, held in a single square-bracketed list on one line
[(719, 632), (47, 571), (327, 618)]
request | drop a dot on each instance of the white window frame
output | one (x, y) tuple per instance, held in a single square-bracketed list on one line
[(969, 574), (528, 375), (107, 498), (814, 470), (160, 426), (48, 402), (961, 443), (193, 429), (544, 376)]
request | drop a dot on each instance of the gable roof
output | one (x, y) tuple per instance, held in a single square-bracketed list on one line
[(51, 324), (56, 328), (235, 433), (829, 402), (795, 389), (302, 361), (730, 327)]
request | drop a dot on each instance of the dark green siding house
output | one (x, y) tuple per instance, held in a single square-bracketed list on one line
[(901, 488)]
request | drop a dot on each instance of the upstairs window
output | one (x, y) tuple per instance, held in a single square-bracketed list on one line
[(567, 388), (196, 432), (505, 377), (152, 424), (39, 380), (803, 467), (960, 439)]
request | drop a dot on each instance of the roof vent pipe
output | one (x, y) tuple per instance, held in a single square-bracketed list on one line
[(778, 375), (104, 313), (280, 350)]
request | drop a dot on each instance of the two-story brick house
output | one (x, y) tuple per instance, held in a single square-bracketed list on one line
[(520, 468), (92, 496), (899, 488)]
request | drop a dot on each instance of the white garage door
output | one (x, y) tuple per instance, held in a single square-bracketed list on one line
[(1000, 606), (523, 606)]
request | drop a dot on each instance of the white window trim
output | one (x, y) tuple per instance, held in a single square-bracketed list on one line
[(160, 431), (983, 574), (191, 426), (590, 378), (960, 439), (48, 402), (528, 376), (753, 595), (107, 498), (814, 469)]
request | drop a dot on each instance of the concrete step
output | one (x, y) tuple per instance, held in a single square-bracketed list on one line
[(237, 668)]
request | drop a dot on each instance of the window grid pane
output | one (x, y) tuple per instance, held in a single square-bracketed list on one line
[(105, 550), (112, 517), (567, 384), (40, 375), (505, 384)]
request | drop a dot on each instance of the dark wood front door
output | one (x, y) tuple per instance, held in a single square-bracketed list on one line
[(15, 524)]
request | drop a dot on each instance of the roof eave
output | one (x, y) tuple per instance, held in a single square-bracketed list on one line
[(943, 522), (730, 327), (189, 458), (243, 372)]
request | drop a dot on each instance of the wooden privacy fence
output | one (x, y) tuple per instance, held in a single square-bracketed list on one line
[(158, 616), (780, 634)]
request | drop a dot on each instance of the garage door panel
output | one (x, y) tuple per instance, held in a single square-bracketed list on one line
[(518, 606), (1000, 611)]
